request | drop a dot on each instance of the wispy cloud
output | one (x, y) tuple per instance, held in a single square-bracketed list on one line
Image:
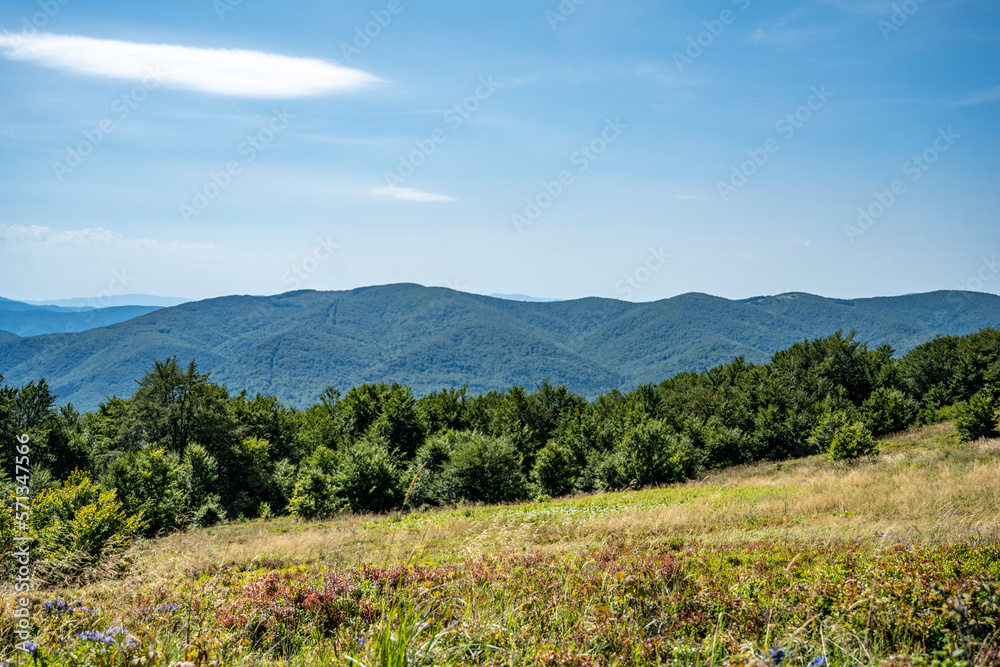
[(409, 194), (991, 95), (217, 71), (91, 236)]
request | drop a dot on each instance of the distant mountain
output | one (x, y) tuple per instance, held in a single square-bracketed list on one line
[(294, 345), (523, 297), (114, 300), (25, 319), (6, 335)]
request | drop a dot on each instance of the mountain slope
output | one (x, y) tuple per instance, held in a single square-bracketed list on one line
[(296, 344), (27, 320)]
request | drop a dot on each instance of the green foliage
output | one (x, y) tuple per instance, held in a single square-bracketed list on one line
[(888, 411), (366, 477), (77, 525), (852, 441), (822, 435), (425, 478), (198, 478), (650, 453), (978, 419), (151, 484), (315, 493), (555, 469), (485, 469)]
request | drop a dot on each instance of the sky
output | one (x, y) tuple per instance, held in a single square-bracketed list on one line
[(634, 149)]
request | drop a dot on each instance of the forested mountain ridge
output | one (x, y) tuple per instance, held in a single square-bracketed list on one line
[(295, 345), (25, 319)]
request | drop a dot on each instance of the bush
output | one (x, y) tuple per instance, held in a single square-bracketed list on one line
[(650, 453), (486, 470), (852, 441), (78, 525), (366, 478), (978, 419), (314, 495), (822, 434), (888, 411), (150, 483), (555, 470), (424, 479)]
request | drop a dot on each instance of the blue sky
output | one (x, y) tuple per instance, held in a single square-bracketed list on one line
[(630, 149)]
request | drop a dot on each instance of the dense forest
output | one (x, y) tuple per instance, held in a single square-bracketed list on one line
[(183, 451)]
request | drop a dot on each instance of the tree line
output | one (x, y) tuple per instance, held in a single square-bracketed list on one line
[(183, 451)]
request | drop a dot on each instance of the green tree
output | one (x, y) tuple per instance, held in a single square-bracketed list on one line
[(485, 469), (888, 411), (366, 477), (315, 493), (150, 483), (555, 469), (77, 526), (852, 441), (822, 435), (978, 419), (650, 453)]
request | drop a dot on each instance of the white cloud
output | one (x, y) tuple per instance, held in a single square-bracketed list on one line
[(982, 97), (216, 71), (409, 194), (89, 236)]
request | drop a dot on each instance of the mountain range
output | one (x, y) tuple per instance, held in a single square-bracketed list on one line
[(27, 319), (296, 344)]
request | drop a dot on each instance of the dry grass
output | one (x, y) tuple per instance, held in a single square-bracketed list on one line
[(924, 487)]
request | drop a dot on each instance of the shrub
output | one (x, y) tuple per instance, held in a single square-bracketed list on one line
[(77, 525), (555, 469), (888, 411), (852, 441), (424, 479), (822, 434), (150, 483), (314, 495), (366, 477), (978, 419), (485, 469), (650, 453)]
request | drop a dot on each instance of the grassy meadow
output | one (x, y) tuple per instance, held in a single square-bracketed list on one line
[(892, 560)]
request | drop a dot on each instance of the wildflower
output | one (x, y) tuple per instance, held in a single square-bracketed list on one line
[(818, 661), (30, 646), (777, 656)]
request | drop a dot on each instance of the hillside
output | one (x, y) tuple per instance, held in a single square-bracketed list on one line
[(24, 319), (296, 344), (6, 335), (800, 563)]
